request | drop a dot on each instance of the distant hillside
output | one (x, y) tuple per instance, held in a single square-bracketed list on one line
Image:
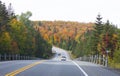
[(57, 31)]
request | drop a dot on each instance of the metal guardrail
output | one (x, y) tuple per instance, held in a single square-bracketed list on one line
[(101, 59), (7, 57)]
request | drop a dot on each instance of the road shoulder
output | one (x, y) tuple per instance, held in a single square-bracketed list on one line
[(96, 70)]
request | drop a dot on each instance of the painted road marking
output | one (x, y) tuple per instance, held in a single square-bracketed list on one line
[(80, 68), (23, 69)]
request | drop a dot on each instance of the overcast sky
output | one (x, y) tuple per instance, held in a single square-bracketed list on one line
[(69, 10)]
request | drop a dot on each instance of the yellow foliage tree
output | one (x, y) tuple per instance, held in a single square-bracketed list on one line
[(5, 42)]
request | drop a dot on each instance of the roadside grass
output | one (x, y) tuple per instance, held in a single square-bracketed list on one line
[(115, 65), (71, 55)]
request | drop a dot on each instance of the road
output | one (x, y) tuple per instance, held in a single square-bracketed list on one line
[(53, 67)]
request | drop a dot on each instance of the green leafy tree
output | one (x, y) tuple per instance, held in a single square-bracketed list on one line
[(117, 50), (24, 18), (5, 43), (109, 39)]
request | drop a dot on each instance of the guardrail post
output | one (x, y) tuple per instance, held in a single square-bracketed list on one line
[(95, 58), (23, 57), (92, 58), (99, 59), (27, 58), (4, 56), (20, 57), (16, 57), (0, 57), (13, 57), (102, 60), (9, 57)]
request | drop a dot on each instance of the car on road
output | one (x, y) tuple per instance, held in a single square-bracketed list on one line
[(59, 54), (63, 58)]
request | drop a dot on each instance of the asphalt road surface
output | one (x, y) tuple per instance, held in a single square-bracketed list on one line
[(53, 67)]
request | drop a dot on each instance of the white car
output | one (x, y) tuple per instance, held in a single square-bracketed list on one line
[(63, 58)]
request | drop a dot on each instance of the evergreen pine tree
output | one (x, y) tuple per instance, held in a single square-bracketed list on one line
[(4, 18), (96, 33)]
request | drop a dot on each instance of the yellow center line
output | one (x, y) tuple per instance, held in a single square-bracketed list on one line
[(23, 68)]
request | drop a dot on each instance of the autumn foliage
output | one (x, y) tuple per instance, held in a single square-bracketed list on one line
[(18, 35), (58, 32)]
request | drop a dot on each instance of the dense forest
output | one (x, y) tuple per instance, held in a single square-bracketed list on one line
[(83, 39), (18, 36), (61, 33)]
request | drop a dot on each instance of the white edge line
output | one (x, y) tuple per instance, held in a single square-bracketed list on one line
[(80, 68)]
